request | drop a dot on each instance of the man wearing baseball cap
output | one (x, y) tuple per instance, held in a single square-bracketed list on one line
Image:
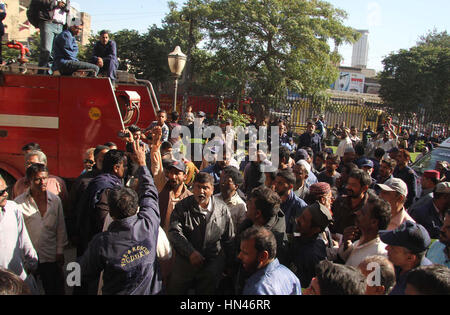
[(394, 191), (431, 214), (406, 249)]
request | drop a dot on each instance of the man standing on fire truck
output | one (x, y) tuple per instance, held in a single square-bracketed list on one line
[(53, 17)]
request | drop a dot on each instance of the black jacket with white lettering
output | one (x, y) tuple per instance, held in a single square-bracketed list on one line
[(126, 253), (188, 232)]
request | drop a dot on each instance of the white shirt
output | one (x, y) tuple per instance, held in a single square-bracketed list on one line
[(343, 145), (355, 253), (59, 15), (386, 146), (16, 250), (237, 207), (48, 233)]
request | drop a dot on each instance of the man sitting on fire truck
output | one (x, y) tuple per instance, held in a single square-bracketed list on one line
[(65, 51)]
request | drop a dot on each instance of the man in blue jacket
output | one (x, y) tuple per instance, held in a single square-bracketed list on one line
[(431, 213), (126, 253), (105, 56), (65, 51)]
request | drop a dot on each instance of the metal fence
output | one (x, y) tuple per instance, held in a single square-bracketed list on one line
[(351, 110)]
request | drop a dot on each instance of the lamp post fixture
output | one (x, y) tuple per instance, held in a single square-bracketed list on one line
[(177, 61)]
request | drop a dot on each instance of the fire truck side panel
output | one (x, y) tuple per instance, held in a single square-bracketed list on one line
[(88, 117), (28, 113)]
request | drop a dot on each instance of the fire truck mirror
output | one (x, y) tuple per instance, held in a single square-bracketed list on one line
[(3, 133)]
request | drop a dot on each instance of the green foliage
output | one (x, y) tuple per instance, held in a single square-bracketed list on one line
[(417, 80), (265, 48), (238, 119), (420, 145)]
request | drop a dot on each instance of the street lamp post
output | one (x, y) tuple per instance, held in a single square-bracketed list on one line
[(177, 61)]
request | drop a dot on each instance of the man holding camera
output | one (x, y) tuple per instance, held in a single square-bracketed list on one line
[(126, 252)]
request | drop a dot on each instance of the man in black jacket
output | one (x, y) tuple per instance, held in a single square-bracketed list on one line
[(53, 15), (126, 253), (202, 234)]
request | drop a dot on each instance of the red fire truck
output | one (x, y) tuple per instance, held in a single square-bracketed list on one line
[(66, 116)]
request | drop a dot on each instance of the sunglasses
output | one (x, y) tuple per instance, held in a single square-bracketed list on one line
[(89, 162), (2, 192)]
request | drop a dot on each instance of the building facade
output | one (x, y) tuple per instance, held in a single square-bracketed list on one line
[(361, 50), (18, 28)]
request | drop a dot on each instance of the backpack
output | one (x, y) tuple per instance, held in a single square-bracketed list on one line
[(33, 13)]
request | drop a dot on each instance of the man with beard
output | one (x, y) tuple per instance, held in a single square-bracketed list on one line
[(370, 219), (291, 205), (258, 257), (387, 167), (202, 234), (439, 252), (345, 207)]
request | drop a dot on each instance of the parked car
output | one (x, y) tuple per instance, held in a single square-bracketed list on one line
[(428, 162)]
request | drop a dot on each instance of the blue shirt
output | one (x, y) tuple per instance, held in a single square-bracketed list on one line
[(437, 255), (400, 286), (311, 180), (428, 216), (65, 49), (274, 279), (292, 208)]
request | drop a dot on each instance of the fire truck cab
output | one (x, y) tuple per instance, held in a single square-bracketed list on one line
[(66, 115)]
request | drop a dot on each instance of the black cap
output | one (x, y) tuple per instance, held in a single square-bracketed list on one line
[(179, 165), (321, 216), (410, 235)]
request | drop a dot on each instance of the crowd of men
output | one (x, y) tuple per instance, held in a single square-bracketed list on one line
[(148, 220)]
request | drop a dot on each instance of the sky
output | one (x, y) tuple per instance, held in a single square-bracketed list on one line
[(392, 24)]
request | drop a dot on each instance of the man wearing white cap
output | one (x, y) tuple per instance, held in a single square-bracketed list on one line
[(395, 191), (65, 51)]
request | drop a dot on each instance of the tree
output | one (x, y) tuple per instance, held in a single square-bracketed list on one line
[(264, 48), (417, 80)]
